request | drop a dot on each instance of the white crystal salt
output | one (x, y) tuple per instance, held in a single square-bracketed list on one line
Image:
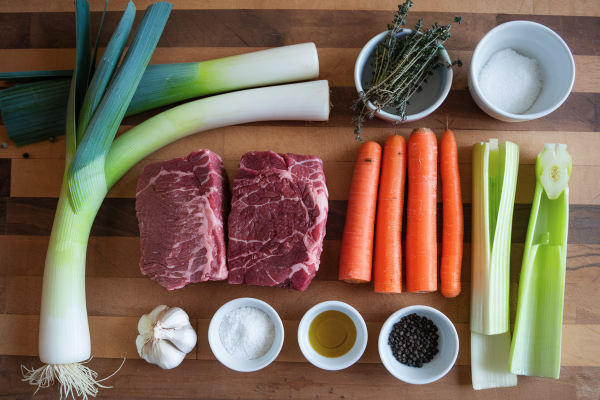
[(510, 81), (247, 333)]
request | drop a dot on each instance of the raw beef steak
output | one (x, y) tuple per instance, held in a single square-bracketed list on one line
[(181, 205), (277, 220)]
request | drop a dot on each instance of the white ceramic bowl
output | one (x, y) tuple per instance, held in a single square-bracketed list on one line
[(227, 359), (421, 104), (532, 40), (348, 359), (443, 360)]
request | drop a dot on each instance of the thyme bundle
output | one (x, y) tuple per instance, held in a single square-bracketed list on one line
[(401, 64)]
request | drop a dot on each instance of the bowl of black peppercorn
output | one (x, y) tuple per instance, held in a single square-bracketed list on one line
[(418, 344)]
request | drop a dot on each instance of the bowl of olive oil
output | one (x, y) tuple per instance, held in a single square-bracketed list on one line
[(332, 335)]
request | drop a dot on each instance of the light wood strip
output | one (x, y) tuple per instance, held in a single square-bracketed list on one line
[(111, 337), (131, 297), (134, 296), (43, 178), (212, 380), (536, 7), (114, 337), (327, 143), (336, 65), (113, 257)]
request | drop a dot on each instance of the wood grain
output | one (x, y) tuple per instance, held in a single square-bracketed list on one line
[(582, 342), (43, 178), (272, 27), (38, 34), (550, 7), (211, 380)]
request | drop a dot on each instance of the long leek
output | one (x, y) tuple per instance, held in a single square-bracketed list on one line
[(495, 170), (535, 349), (94, 163), (36, 111)]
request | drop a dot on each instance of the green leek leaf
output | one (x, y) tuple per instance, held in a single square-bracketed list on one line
[(86, 179), (105, 70), (535, 349), (83, 62), (32, 76), (93, 65)]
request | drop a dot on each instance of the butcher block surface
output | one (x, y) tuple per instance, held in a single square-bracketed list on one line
[(40, 35)]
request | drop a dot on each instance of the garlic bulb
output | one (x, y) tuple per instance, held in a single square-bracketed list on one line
[(166, 336)]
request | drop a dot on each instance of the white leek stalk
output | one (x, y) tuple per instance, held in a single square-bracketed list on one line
[(307, 101), (535, 349), (495, 170)]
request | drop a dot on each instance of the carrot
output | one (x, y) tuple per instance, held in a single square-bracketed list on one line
[(357, 242), (453, 228), (421, 243), (387, 269)]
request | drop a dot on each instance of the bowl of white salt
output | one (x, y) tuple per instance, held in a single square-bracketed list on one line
[(521, 71), (246, 334)]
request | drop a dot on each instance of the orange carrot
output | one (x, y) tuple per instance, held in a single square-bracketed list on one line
[(357, 242), (387, 269), (421, 244), (453, 228)]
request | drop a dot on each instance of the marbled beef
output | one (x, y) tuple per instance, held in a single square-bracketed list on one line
[(277, 220), (181, 205)]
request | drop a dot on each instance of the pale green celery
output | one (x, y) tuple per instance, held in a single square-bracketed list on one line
[(489, 360), (495, 169), (536, 344)]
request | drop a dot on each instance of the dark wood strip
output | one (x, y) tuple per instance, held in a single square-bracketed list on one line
[(210, 379), (579, 113), (270, 28), (3, 201), (5, 170), (34, 215)]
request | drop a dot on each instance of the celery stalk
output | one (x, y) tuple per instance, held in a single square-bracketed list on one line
[(489, 358), (535, 348), (495, 170)]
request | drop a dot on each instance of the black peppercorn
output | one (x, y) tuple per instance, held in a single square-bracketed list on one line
[(414, 340)]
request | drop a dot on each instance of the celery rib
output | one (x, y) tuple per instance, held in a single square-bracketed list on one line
[(536, 344)]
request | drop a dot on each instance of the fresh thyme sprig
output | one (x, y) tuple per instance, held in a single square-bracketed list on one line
[(401, 64)]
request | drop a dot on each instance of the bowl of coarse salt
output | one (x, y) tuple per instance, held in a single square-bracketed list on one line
[(521, 71), (246, 334)]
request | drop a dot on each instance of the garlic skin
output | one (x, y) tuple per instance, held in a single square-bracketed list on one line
[(166, 336)]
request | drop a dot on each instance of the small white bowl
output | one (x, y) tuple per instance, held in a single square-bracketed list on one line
[(532, 40), (348, 359), (235, 363), (443, 360), (421, 104)]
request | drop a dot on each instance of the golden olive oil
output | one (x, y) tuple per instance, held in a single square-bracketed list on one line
[(332, 334)]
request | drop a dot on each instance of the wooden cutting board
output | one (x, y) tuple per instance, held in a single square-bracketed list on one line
[(37, 35)]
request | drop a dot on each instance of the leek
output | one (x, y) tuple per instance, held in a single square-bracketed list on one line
[(94, 163), (33, 76), (495, 170), (535, 349), (36, 111)]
